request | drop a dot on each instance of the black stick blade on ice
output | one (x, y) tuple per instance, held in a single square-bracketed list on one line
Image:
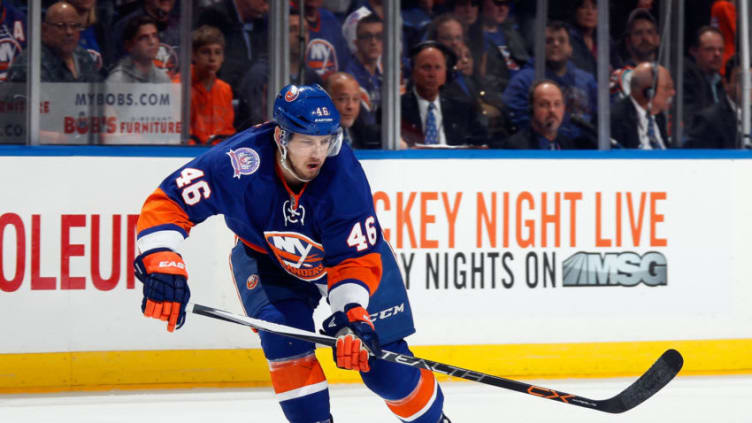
[(657, 376)]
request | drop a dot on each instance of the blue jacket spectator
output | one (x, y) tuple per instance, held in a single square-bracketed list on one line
[(579, 87)]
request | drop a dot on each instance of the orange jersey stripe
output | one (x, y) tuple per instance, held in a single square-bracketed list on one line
[(253, 247), (418, 399), (366, 269), (295, 374), (159, 209)]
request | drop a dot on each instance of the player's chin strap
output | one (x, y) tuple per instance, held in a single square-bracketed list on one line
[(282, 137)]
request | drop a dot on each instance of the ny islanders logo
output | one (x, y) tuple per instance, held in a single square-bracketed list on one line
[(299, 255), (244, 160), (321, 57)]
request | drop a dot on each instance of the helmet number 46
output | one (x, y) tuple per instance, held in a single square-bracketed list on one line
[(360, 241), (193, 192)]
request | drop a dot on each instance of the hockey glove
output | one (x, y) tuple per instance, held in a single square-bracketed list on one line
[(356, 338), (165, 280)]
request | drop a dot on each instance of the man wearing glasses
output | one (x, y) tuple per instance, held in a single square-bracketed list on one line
[(366, 67), (63, 60)]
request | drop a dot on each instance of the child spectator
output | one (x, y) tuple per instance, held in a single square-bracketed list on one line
[(211, 98)]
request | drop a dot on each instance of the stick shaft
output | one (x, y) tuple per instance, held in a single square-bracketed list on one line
[(649, 383)]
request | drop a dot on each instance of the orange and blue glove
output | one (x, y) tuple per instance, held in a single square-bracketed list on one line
[(356, 338), (165, 280)]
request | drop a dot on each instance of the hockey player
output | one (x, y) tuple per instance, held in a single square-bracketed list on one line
[(301, 207)]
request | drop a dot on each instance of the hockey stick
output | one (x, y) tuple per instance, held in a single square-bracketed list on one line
[(657, 376)]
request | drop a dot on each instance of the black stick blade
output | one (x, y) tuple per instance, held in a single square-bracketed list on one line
[(660, 373)]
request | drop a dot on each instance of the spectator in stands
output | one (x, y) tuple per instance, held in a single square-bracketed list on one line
[(327, 50), (718, 125), (579, 87), (723, 17), (638, 120), (466, 11), (366, 66), (141, 41), (63, 60), (244, 26), (93, 32), (498, 48), (349, 25), (449, 30), (168, 25), (430, 118), (703, 85), (547, 108), (416, 17), (583, 38), (346, 95), (641, 44), (211, 98), (252, 90), (642, 39), (12, 36)]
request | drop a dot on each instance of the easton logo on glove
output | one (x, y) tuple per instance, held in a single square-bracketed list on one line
[(179, 265)]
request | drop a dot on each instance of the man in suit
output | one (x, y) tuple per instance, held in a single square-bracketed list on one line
[(703, 84), (547, 108), (638, 121), (579, 87), (717, 125), (428, 116)]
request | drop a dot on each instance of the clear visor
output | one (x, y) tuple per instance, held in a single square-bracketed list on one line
[(335, 143)]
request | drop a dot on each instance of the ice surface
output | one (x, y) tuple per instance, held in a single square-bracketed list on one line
[(726, 399)]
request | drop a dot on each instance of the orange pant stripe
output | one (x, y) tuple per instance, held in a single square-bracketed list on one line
[(295, 374), (418, 401)]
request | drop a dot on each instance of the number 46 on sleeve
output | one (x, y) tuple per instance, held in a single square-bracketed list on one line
[(193, 192), (360, 241)]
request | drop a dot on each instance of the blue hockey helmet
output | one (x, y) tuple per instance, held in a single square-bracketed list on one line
[(307, 109)]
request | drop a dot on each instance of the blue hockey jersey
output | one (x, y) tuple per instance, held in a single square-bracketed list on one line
[(12, 36), (326, 234)]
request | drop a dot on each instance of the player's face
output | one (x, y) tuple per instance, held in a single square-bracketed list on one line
[(307, 154)]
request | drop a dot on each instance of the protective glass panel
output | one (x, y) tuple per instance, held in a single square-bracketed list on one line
[(110, 73), (13, 40), (246, 67)]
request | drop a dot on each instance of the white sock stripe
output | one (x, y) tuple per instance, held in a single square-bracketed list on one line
[(301, 392), (425, 408)]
